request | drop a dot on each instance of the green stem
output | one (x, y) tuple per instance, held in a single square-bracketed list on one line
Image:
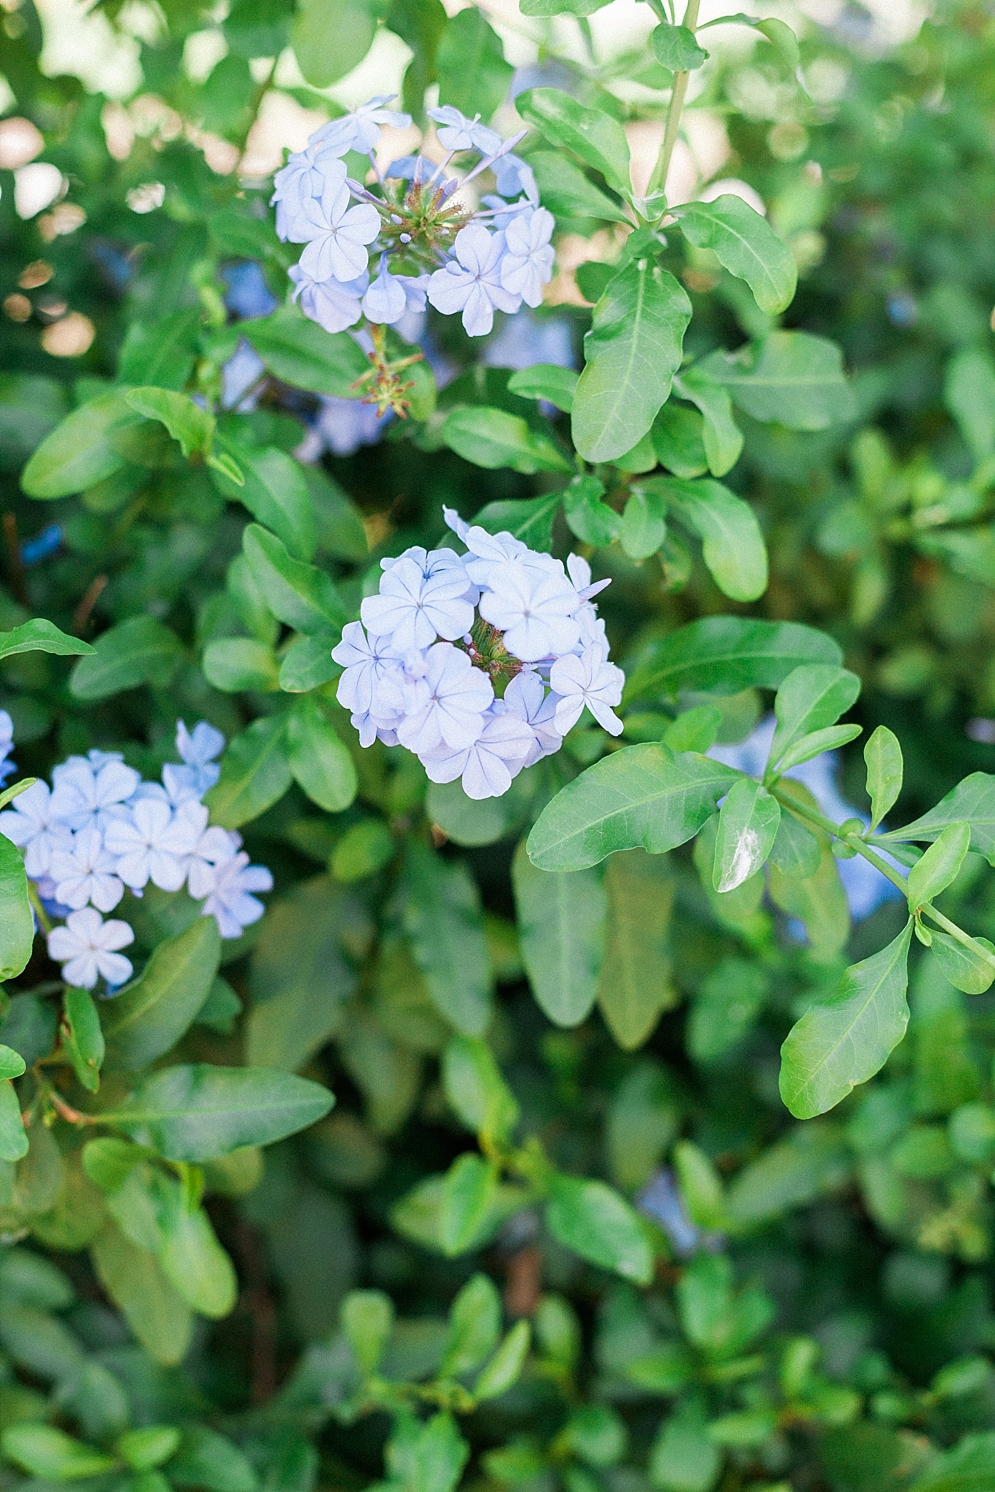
[(677, 97), (802, 810), (44, 921)]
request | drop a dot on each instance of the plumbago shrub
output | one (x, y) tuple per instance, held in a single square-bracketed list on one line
[(566, 565)]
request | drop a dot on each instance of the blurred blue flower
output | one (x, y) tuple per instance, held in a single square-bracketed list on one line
[(42, 545), (248, 294)]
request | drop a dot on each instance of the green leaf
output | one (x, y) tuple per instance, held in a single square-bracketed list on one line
[(595, 1222), (636, 984), (84, 1038), (791, 379), (782, 39), (442, 918), (696, 729), (340, 523), (846, 1039), (148, 1447), (725, 1009), (275, 493), (722, 437), (567, 192), (593, 521), (13, 1136), (527, 518), (812, 696), (818, 900), (969, 394), (972, 802), (545, 381), (965, 968), (319, 758), (561, 8), (678, 438), (505, 1367), (632, 352), (473, 75), (748, 824), (812, 1160), (477, 1091), (255, 773), (745, 244), (296, 593), (301, 353), (138, 651), (683, 1458), (939, 866), (186, 422), (150, 1015), (17, 926), (160, 352), (193, 1260), (41, 636), (329, 41), (49, 1453), (561, 927), (885, 768), (494, 438), (817, 742), (596, 137), (675, 48), (732, 545), (211, 1461), (235, 664), (368, 1319), (80, 451), (725, 654), (195, 1112), (468, 1193), (308, 663), (644, 523), (968, 1467), (641, 796), (12, 1064), (474, 1327), (134, 1281)]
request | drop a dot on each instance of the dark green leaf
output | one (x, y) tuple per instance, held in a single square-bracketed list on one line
[(812, 696), (561, 925), (724, 654), (150, 1015), (17, 927), (138, 651), (300, 353), (721, 436), (319, 758), (299, 594), (972, 802), (567, 192), (84, 1037), (791, 378), (186, 421), (275, 492), (255, 772), (546, 381), (593, 521), (443, 920), (732, 545), (495, 438), (527, 518)]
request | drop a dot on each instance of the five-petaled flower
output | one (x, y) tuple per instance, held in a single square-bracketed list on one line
[(87, 947)]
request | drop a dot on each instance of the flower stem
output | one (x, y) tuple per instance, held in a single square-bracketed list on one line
[(677, 97)]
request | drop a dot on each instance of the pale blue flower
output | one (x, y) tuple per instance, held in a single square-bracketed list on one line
[(460, 133), (306, 192), (333, 305), (534, 608), (447, 705), (488, 765), (338, 237), (87, 949), (360, 129), (471, 281), (587, 681), (527, 264), (413, 609)]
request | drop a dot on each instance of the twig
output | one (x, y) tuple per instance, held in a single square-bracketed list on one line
[(88, 601), (15, 565)]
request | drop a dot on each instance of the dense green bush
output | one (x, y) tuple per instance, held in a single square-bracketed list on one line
[(630, 1183)]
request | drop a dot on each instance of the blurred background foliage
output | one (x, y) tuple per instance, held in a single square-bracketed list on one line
[(823, 1315)]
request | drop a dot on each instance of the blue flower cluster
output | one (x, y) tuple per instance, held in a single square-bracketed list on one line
[(427, 242), (99, 830)]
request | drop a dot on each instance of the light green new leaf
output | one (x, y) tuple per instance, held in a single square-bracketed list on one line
[(675, 48), (274, 491), (567, 192), (885, 768), (593, 135), (138, 651), (476, 1090), (234, 664), (367, 1318), (746, 245), (211, 1461), (678, 439), (966, 967), (561, 928), (474, 1327), (595, 1222), (186, 422), (546, 381), (495, 438), (791, 379), (817, 742), (644, 523), (724, 654), (160, 352), (134, 1281), (632, 352), (80, 451), (308, 663), (330, 40), (297, 593), (939, 866), (17, 927), (51, 1454), (83, 1036), (748, 824), (255, 772), (193, 1260), (319, 758), (469, 1191), (196, 1112), (12, 1064), (643, 796), (148, 1447), (969, 394), (968, 1467), (506, 1365), (593, 521), (722, 437), (810, 698), (41, 636), (972, 802), (13, 1136), (846, 1039), (150, 1015), (732, 545)]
